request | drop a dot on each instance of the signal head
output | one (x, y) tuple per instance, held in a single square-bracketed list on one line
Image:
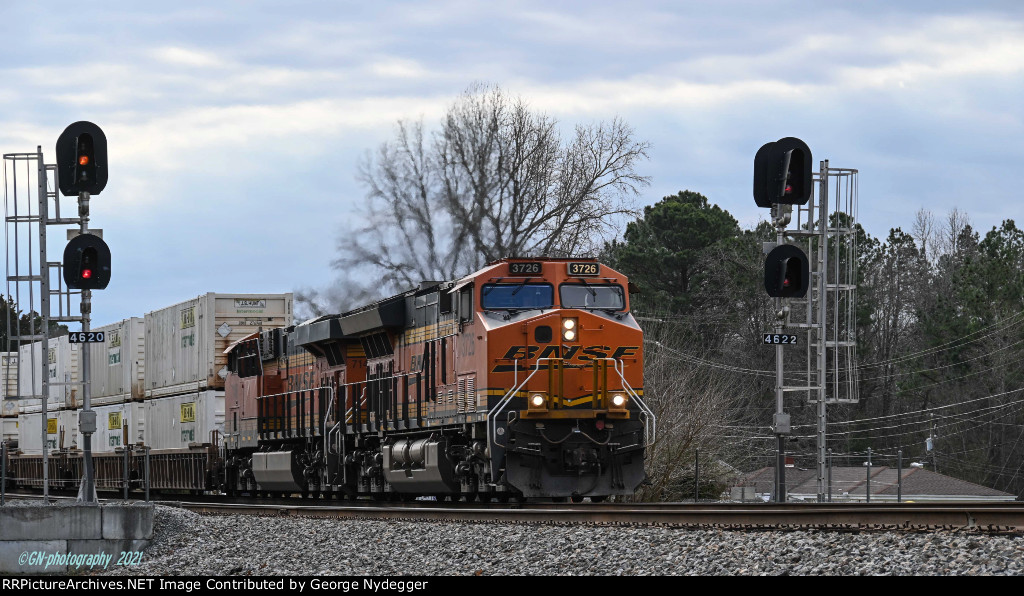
[(782, 173), (86, 263), (81, 159), (786, 272)]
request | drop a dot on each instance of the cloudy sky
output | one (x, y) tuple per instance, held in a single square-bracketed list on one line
[(235, 128)]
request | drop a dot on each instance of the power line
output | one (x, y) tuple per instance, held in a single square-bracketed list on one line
[(1006, 323), (923, 370)]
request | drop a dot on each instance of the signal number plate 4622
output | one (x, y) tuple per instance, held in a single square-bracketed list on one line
[(779, 338)]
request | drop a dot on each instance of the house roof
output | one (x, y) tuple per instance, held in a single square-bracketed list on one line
[(853, 481)]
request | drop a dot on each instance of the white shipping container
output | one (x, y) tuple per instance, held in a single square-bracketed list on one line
[(9, 428), (177, 421), (117, 364), (118, 425), (61, 431), (185, 343), (9, 416), (35, 406), (9, 372), (9, 401), (61, 361)]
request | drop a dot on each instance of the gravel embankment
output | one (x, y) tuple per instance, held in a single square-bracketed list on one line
[(186, 543)]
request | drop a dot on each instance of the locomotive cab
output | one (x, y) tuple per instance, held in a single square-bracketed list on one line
[(564, 378)]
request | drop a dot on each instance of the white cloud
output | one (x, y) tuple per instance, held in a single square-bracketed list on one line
[(188, 57), (190, 99), (398, 68)]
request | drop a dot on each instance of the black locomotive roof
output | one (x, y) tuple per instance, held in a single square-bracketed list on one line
[(318, 330)]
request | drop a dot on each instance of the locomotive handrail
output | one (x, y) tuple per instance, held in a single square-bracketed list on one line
[(337, 425), (649, 419), (298, 391), (362, 396), (330, 408), (362, 400), (492, 417)]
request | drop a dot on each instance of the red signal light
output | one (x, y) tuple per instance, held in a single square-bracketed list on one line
[(86, 273), (83, 160)]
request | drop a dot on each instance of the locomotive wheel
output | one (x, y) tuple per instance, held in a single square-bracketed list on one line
[(600, 499), (577, 498)]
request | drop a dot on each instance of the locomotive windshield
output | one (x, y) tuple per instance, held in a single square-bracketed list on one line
[(517, 296), (592, 296)]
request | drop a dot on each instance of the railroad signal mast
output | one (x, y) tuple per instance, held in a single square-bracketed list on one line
[(82, 171), (29, 209), (814, 297)]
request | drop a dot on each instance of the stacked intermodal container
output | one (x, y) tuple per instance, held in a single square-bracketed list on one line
[(185, 343), (186, 364), (117, 364), (62, 363), (157, 380), (9, 403), (61, 430), (118, 425)]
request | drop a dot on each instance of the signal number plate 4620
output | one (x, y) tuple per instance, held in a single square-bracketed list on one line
[(86, 337), (779, 338)]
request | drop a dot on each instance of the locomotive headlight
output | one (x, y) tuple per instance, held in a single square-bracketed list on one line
[(618, 400), (538, 401), (569, 329)]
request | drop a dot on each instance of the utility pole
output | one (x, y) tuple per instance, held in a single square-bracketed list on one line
[(931, 442)]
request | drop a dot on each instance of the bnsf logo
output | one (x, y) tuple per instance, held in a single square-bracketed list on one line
[(301, 380), (580, 353)]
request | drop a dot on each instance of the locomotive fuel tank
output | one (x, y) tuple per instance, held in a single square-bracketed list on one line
[(420, 466), (278, 471)]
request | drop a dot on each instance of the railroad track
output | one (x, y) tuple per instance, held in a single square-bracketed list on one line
[(1001, 517), (990, 517)]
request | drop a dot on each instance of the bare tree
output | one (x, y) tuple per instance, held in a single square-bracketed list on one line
[(691, 402), (495, 180), (956, 222), (924, 233)]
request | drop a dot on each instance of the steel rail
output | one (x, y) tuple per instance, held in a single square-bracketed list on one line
[(998, 517), (987, 516)]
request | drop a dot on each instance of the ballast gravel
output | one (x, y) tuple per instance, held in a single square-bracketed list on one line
[(190, 544)]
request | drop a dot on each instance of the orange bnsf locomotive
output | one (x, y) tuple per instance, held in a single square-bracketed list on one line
[(521, 380)]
